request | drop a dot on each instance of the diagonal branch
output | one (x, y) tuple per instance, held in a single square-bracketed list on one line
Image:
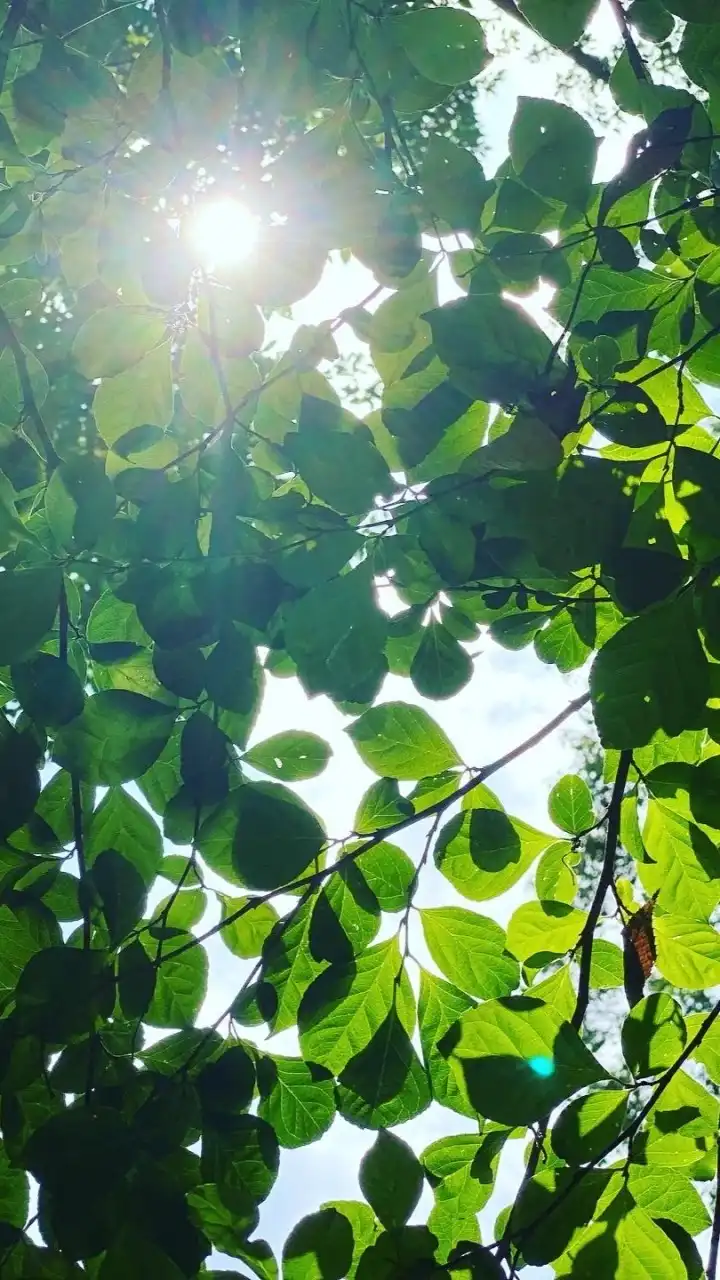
[(630, 1130), (634, 56), (439, 807)]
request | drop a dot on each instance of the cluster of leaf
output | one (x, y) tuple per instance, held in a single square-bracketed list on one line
[(215, 517)]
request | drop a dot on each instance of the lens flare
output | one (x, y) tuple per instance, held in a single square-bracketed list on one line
[(541, 1065), (222, 233)]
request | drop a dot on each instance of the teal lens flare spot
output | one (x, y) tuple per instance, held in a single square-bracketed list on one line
[(541, 1065)]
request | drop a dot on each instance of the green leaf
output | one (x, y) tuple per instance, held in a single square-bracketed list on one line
[(227, 1084), (336, 633), (446, 46), (470, 951), (14, 1192), (204, 761), (454, 189), (606, 965), (28, 603), (651, 675), (120, 823), (484, 852), (116, 338), (708, 1051), (391, 1179), (347, 1005), (381, 806), (230, 672), (667, 1193), (462, 1171), (441, 667), (320, 1247), (365, 1227), (439, 1007), (49, 690), (276, 837), (246, 936), (118, 736), (12, 389), (346, 916), (485, 341), (121, 890), (554, 876), (179, 910), (682, 868), (562, 22), (653, 1035), (136, 980), (389, 874), (62, 991), (687, 952), (26, 930), (289, 968), (586, 1126), (397, 740), (297, 1098), (404, 1251), (226, 1228), (240, 1153), (293, 756), (693, 10), (520, 1059), (570, 805), (181, 981), (385, 1084), (544, 928), (553, 150), (138, 397), (79, 503), (342, 468)]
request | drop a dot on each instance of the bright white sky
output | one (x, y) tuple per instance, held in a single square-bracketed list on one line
[(510, 695)]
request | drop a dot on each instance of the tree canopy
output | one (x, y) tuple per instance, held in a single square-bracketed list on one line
[(190, 511)]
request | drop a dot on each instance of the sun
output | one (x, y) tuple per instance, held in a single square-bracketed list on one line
[(222, 233)]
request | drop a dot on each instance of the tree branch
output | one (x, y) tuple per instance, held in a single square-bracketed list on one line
[(586, 943), (596, 67), (630, 1130), (604, 882), (715, 1234), (631, 49), (317, 877)]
